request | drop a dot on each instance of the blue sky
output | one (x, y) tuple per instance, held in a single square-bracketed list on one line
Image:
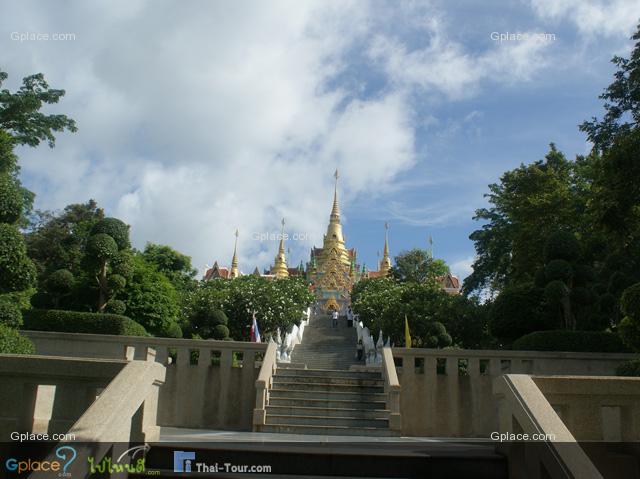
[(197, 120)]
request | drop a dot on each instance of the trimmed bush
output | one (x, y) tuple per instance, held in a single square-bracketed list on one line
[(10, 199), (116, 306), (572, 341), (12, 342), (630, 368), (102, 246), (115, 228), (629, 331), (172, 330), (516, 311), (80, 322), (558, 269), (60, 281), (220, 332), (10, 314)]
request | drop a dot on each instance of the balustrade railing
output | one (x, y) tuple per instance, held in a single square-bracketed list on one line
[(285, 346)]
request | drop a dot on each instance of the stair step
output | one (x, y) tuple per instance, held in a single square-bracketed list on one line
[(327, 421), (327, 403), (326, 430), (333, 373), (325, 387), (301, 394), (345, 380), (290, 410)]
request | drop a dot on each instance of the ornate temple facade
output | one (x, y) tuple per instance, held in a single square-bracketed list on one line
[(332, 270)]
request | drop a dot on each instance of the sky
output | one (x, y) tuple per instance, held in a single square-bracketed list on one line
[(196, 118)]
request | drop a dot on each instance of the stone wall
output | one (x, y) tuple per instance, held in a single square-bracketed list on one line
[(209, 384), (448, 393)]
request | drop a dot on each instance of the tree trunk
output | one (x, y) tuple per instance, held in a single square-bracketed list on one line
[(102, 285)]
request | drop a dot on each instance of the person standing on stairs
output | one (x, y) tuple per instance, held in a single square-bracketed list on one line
[(360, 349), (334, 319)]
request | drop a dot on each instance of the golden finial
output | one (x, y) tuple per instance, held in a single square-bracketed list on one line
[(234, 260)]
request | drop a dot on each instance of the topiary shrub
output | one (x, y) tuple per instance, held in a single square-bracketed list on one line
[(436, 336), (220, 332), (17, 271), (80, 322), (219, 317), (516, 311), (10, 314), (618, 282), (558, 269), (60, 281), (12, 342), (630, 368), (114, 228), (172, 330), (102, 246), (572, 341), (10, 199), (116, 306)]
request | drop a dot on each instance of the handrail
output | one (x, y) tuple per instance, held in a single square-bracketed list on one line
[(392, 388), (108, 421), (149, 340), (521, 400), (263, 383)]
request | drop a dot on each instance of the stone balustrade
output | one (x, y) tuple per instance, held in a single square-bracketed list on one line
[(448, 392), (263, 385), (41, 394), (209, 384)]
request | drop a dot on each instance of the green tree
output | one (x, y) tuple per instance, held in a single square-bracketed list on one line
[(173, 264), (108, 259), (58, 240), (528, 204), (418, 266), (621, 102), (20, 113), (151, 300)]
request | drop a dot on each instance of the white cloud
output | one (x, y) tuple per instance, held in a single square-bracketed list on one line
[(443, 66), (592, 17), (196, 118), (195, 121), (462, 267)]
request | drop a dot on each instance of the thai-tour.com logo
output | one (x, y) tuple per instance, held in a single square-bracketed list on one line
[(184, 461), (65, 454)]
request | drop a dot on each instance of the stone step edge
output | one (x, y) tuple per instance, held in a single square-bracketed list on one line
[(343, 409), (328, 400), (328, 370), (382, 395), (324, 427), (338, 385), (330, 418)]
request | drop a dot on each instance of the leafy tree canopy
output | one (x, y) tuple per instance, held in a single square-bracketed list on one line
[(20, 113)]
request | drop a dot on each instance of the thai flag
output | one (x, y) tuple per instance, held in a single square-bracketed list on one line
[(255, 332)]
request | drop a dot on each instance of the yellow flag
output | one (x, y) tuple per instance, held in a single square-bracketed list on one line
[(407, 336)]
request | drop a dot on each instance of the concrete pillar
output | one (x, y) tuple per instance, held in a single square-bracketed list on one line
[(453, 389)]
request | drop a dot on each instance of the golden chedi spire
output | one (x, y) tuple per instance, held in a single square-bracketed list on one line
[(234, 261), (333, 245), (280, 265), (385, 263)]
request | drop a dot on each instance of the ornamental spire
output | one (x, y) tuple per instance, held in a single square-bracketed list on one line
[(234, 261), (385, 264), (335, 211), (280, 265)]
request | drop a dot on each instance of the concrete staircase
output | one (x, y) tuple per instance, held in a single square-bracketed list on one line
[(318, 394), (327, 402), (325, 347)]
